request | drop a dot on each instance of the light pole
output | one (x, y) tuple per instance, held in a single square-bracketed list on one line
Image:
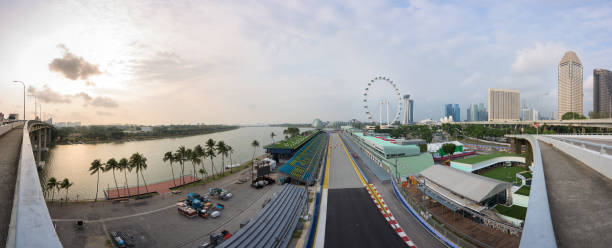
[(35, 104), (24, 117)]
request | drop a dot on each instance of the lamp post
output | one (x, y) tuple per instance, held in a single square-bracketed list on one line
[(24, 117), (35, 106)]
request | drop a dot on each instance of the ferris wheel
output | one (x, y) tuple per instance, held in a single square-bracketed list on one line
[(395, 93)]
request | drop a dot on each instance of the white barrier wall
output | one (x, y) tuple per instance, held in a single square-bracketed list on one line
[(600, 163), (8, 127)]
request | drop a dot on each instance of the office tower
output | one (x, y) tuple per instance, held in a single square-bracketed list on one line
[(602, 93), (483, 115), (504, 104), (570, 84), (530, 114), (408, 110), (477, 112), (452, 110)]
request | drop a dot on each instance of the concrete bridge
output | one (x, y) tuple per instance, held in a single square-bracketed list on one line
[(570, 192), (602, 123), (25, 221)]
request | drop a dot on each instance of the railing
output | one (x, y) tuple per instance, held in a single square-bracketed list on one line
[(31, 224), (583, 144), (599, 161), (9, 126), (538, 229)]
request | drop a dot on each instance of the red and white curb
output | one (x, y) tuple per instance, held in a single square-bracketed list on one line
[(384, 210)]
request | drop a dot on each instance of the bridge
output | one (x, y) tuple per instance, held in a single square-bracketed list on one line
[(602, 123), (570, 192), (28, 224)]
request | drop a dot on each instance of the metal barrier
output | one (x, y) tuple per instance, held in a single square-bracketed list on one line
[(599, 161), (582, 143), (31, 224)]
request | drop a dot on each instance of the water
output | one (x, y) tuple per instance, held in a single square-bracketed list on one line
[(73, 161)]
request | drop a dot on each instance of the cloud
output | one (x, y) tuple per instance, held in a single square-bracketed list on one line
[(540, 58), (102, 113), (47, 95), (72, 66)]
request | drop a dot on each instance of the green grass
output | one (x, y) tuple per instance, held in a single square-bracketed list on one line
[(523, 190), (503, 173), (480, 158), (292, 142), (513, 211), (527, 175)]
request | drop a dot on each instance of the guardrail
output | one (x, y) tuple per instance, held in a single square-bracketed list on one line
[(538, 229), (9, 126), (599, 161), (31, 224), (583, 144)]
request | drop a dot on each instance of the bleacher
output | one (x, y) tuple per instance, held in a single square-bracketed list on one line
[(303, 164)]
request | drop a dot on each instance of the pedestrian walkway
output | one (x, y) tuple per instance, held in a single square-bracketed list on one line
[(10, 145), (161, 188)]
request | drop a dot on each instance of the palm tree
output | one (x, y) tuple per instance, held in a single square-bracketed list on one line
[(210, 152), (272, 136), (222, 150), (169, 157), (230, 150), (51, 184), (65, 185), (124, 166), (96, 167), (139, 162), (254, 144), (181, 156), (195, 159), (112, 164), (199, 151)]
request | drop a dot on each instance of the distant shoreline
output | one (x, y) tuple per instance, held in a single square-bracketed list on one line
[(141, 138)]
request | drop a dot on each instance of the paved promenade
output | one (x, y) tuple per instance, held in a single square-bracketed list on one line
[(161, 188), (10, 145)]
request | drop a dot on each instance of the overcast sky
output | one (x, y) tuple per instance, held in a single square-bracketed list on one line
[(156, 62)]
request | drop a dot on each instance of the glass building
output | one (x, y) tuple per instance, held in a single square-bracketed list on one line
[(602, 93)]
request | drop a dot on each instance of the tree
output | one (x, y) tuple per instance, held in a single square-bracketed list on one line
[(181, 156), (210, 152), (426, 134), (222, 150), (449, 148), (169, 157), (272, 136), (66, 184), (230, 150), (572, 116), (195, 159), (254, 144), (199, 151), (112, 164), (125, 167), (139, 163), (51, 185), (96, 167)]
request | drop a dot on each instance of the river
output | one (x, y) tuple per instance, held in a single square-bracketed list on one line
[(73, 161)]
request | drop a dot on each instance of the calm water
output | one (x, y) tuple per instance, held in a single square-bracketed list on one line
[(73, 161)]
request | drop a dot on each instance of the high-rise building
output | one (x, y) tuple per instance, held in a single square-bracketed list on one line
[(477, 112), (530, 114), (570, 84), (452, 110), (408, 110), (504, 105), (602, 93)]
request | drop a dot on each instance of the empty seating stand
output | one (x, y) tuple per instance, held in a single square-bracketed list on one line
[(274, 225), (300, 166)]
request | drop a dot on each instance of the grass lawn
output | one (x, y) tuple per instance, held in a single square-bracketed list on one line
[(513, 211), (503, 173), (292, 142), (523, 190), (527, 175), (484, 157)]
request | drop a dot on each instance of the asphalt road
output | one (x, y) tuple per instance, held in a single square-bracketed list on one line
[(580, 200), (415, 231), (10, 145), (353, 220)]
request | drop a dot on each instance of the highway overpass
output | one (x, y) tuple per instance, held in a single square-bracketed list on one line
[(602, 123)]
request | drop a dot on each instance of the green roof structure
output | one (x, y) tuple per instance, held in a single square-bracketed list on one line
[(480, 158)]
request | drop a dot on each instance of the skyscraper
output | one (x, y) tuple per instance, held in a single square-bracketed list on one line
[(602, 93), (452, 110), (504, 104), (477, 112), (408, 110), (570, 84)]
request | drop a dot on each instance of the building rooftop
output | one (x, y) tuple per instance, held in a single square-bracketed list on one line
[(485, 157), (386, 145), (570, 56), (474, 187)]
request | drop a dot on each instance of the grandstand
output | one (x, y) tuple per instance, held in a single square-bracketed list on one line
[(306, 160)]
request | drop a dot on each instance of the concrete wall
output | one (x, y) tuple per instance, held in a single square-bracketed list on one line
[(31, 224), (520, 200), (600, 163), (8, 127), (515, 222)]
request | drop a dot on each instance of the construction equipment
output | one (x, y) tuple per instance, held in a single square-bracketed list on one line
[(220, 194)]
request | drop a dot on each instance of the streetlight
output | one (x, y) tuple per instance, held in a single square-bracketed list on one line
[(35, 108), (24, 115)]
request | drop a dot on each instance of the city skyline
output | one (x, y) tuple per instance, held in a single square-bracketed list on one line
[(102, 63)]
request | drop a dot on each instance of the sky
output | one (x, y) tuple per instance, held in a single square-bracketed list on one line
[(247, 62)]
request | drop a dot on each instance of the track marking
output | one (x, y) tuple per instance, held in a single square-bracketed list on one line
[(322, 219)]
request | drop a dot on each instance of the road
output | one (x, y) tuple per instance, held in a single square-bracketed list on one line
[(414, 230), (10, 145), (353, 220), (580, 200)]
